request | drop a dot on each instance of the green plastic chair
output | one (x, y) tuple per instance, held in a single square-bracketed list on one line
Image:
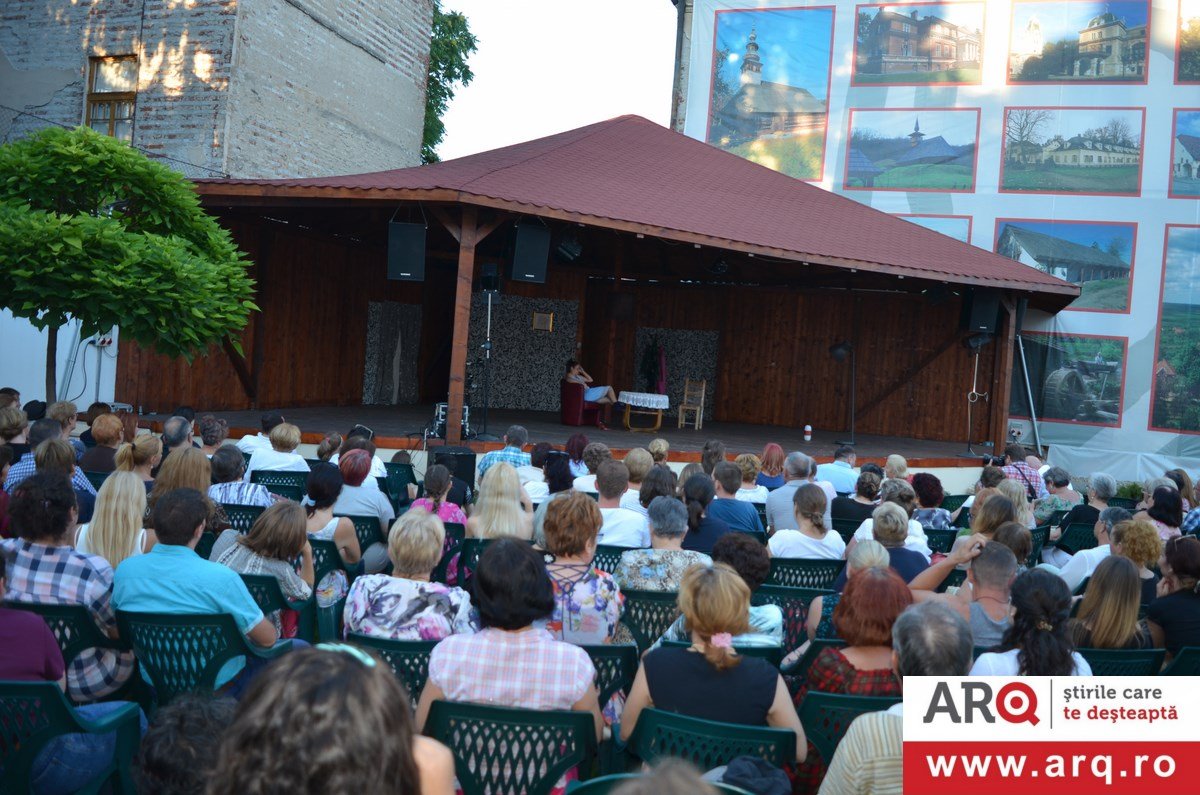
[(503, 750), (269, 597), (1077, 537), (954, 579), (242, 517), (758, 535), (34, 713), (800, 668), (327, 559), (827, 716), (1040, 535), (952, 502), (607, 784), (616, 665), (1124, 662), (184, 653), (761, 507), (648, 614), (408, 659), (367, 529), (291, 485), (96, 479), (941, 540), (204, 546), (1056, 518), (1185, 663), (708, 744), (794, 603), (246, 457), (608, 557), (963, 520), (1123, 502), (846, 527), (313, 463), (772, 654), (804, 572)]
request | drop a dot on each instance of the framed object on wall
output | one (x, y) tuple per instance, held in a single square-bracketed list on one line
[(543, 321)]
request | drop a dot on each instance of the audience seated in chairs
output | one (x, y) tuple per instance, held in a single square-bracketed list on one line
[(1108, 613), (929, 493), (840, 472), (141, 456), (710, 680), (660, 481), (116, 532), (859, 507), (1138, 540), (1061, 496), (703, 529), (595, 454), (213, 433), (1039, 641), (1022, 507), (587, 601), (812, 539), (329, 446), (661, 567), (357, 499), (55, 455), (639, 462), (324, 486), (899, 493), (1174, 617), (107, 434), (503, 509), (927, 640), (749, 465), (1102, 487), (14, 430), (622, 526), (405, 605), (738, 514), (984, 600), (558, 482), (868, 554), (574, 447), (437, 492), (771, 474), (41, 431), (188, 468), (350, 729), (1084, 562), (248, 444), (1165, 509), (515, 439), (281, 456), (228, 488), (711, 454)]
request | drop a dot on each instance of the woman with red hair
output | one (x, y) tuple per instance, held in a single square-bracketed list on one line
[(871, 602), (771, 473), (357, 499)]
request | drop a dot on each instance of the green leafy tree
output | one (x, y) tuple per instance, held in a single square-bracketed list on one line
[(92, 229), (450, 47), (1189, 50)]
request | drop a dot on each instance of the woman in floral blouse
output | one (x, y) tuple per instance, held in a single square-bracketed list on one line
[(405, 605), (587, 601), (661, 567)]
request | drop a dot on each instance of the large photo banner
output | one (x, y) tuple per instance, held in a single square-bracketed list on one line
[(1064, 134)]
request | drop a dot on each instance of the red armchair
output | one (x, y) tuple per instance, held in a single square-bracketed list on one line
[(573, 409)]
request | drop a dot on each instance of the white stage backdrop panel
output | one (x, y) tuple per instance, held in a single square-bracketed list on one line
[(1063, 134)]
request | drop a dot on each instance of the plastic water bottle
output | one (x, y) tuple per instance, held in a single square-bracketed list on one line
[(808, 433)]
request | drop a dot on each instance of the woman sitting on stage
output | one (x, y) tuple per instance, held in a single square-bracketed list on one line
[(591, 394)]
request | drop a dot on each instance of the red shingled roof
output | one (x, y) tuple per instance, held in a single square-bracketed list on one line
[(632, 173)]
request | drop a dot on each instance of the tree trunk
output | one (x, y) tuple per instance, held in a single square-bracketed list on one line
[(51, 363)]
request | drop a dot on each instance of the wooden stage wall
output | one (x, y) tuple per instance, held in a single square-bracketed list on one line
[(308, 345)]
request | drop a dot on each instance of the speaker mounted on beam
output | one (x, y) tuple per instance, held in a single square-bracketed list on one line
[(531, 253), (406, 249)]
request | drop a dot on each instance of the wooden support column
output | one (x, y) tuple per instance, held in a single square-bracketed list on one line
[(467, 238), (610, 375), (1002, 374)]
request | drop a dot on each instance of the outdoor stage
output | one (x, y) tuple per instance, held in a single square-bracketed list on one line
[(401, 427)]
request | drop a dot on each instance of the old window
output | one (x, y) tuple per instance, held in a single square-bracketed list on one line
[(112, 89)]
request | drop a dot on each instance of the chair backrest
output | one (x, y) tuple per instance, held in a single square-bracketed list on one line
[(34, 713), (455, 532), (181, 653), (952, 502), (1077, 537), (96, 479), (204, 546), (693, 392), (1122, 502), (408, 659), (845, 528), (708, 744), (1040, 535), (827, 716), (1185, 663), (800, 669), (772, 654), (74, 629), (616, 665), (266, 592), (242, 517), (761, 507), (399, 477), (367, 529), (941, 540), (954, 579), (1056, 518), (794, 603), (608, 557), (290, 485), (313, 463), (648, 614), (326, 558), (1124, 662), (607, 784), (758, 535), (501, 750), (804, 572)]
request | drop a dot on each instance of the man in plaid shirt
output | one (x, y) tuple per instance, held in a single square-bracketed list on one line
[(515, 438), (39, 432), (43, 568), (1016, 469)]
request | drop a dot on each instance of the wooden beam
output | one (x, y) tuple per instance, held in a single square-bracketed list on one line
[(906, 376), (447, 221), (462, 323), (239, 367), (1002, 371)]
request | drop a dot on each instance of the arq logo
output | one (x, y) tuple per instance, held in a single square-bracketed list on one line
[(1015, 703)]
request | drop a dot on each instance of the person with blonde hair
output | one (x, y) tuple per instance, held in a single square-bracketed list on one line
[(989, 514), (186, 468), (108, 433), (502, 508), (813, 539), (1108, 614), (638, 462), (709, 679), (66, 414), (276, 539), (890, 526), (658, 449), (1022, 508), (749, 465), (281, 456), (1138, 540), (115, 532), (405, 605), (14, 425), (895, 467), (901, 494), (140, 455)]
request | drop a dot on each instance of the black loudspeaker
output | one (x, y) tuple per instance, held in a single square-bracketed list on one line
[(980, 311), (531, 253), (406, 251), (489, 278), (459, 460)]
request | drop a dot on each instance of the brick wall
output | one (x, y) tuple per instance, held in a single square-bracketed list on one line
[(327, 86)]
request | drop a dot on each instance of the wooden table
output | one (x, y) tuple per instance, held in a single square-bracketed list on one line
[(644, 404)]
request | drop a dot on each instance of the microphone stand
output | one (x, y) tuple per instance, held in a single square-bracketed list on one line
[(484, 436)]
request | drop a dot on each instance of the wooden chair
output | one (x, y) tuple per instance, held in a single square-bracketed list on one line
[(693, 401)]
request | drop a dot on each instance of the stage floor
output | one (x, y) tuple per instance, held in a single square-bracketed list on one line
[(402, 426)]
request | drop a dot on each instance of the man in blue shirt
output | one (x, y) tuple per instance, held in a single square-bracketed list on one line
[(172, 578), (515, 438), (840, 472), (738, 514)]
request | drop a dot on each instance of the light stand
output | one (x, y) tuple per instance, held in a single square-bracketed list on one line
[(839, 352), (484, 436), (974, 343)]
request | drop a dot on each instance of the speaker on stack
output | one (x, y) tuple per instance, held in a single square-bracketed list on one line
[(459, 460)]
